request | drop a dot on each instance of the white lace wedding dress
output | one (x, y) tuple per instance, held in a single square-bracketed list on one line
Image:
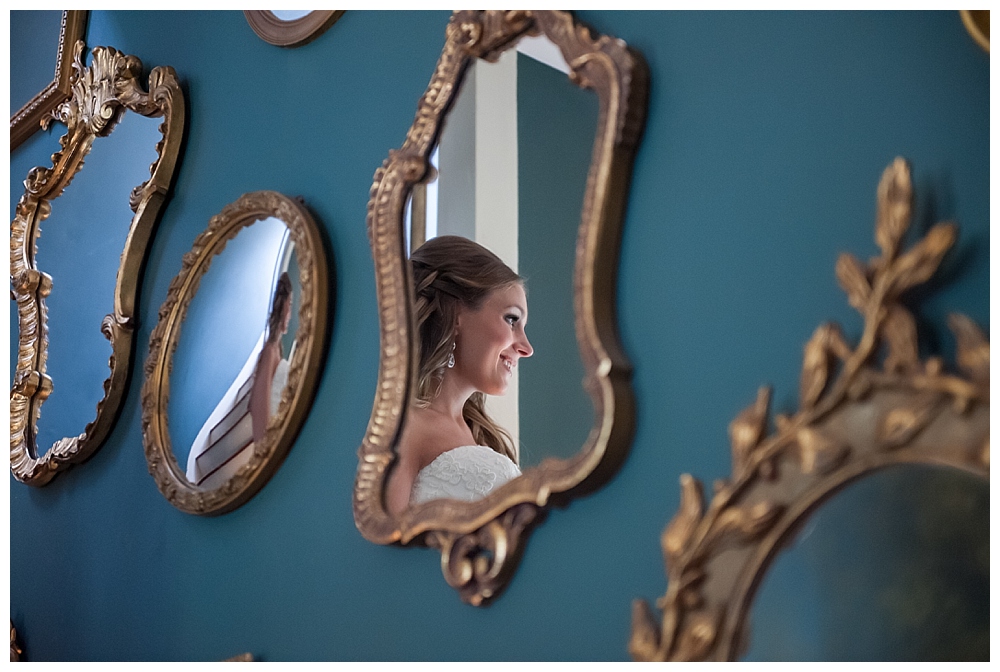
[(467, 473)]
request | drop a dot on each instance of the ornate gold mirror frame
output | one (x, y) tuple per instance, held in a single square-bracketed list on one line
[(855, 418), (36, 112), (304, 368), (291, 33), (480, 542), (101, 94)]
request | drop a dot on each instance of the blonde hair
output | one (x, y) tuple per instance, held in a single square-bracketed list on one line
[(449, 271), (280, 302)]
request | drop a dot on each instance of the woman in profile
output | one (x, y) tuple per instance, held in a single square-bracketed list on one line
[(471, 311), (225, 442)]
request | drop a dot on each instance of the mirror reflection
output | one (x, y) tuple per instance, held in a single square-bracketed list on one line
[(895, 567), (492, 233), (33, 48), (232, 359), (97, 199)]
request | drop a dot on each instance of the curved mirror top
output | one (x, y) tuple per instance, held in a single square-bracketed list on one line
[(895, 567), (232, 360), (81, 247)]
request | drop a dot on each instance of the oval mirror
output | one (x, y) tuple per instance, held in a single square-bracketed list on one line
[(495, 233), (291, 27), (895, 567), (222, 404), (97, 223)]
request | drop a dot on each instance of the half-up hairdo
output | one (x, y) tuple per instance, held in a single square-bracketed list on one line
[(449, 271), (282, 297)]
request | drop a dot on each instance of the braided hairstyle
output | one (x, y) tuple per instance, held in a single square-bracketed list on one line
[(282, 296), (448, 271)]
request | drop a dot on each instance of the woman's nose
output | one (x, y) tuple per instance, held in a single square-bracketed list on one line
[(524, 347)]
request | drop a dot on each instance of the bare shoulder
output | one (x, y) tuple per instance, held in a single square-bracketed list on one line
[(426, 436)]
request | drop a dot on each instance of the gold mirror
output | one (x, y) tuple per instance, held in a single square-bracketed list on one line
[(221, 407), (862, 409), (38, 91), (96, 235), (290, 27), (516, 168)]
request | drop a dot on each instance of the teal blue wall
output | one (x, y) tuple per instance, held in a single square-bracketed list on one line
[(766, 136)]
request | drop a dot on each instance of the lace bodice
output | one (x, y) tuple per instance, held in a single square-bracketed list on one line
[(467, 473)]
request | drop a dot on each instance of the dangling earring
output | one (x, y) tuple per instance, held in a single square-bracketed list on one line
[(451, 356)]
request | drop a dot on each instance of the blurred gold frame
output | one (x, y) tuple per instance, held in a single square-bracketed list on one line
[(480, 542), (101, 94), (851, 423), (304, 368)]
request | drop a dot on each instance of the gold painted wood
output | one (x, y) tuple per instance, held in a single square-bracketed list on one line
[(977, 22), (304, 368), (16, 650), (35, 113), (860, 410), (292, 33), (101, 94), (481, 541)]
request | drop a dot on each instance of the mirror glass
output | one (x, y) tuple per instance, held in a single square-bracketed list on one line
[(33, 49), (80, 247), (290, 14), (509, 171), (232, 359), (894, 567)]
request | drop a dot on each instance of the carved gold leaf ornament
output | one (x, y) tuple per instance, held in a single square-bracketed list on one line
[(850, 424), (304, 367), (480, 542), (101, 94)]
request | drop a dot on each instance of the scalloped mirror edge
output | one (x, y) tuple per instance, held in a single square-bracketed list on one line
[(854, 419), (303, 372), (480, 542), (101, 94), (35, 113)]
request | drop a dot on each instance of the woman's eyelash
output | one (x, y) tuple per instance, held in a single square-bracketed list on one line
[(511, 318)]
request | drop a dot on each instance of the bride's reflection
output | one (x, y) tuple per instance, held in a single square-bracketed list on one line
[(226, 440), (471, 312)]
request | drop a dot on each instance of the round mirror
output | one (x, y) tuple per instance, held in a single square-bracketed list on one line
[(223, 402), (895, 567), (291, 27)]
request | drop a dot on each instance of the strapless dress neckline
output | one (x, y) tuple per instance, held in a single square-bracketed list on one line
[(466, 473)]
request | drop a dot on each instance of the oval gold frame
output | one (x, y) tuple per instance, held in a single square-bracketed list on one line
[(101, 94), (850, 424), (304, 369), (480, 542), (292, 33)]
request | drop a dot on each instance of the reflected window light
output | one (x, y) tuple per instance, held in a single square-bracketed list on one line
[(290, 14), (432, 201)]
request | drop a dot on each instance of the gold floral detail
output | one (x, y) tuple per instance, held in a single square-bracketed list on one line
[(861, 409)]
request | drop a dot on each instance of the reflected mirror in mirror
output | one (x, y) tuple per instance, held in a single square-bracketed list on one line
[(509, 172), (81, 247), (894, 567), (232, 360), (33, 48)]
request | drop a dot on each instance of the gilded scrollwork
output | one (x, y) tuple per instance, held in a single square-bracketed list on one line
[(861, 409), (101, 94), (304, 367), (481, 541)]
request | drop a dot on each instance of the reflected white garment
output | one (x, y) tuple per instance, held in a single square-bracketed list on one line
[(467, 473), (229, 443)]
